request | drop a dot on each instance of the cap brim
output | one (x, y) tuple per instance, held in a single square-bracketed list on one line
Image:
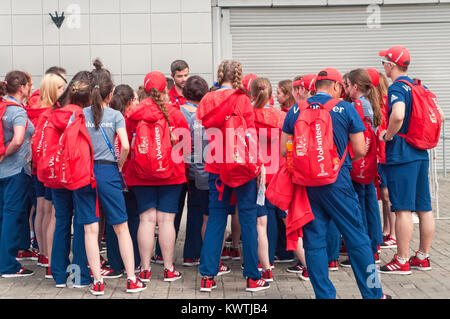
[(383, 53)]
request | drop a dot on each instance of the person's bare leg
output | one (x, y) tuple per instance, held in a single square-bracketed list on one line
[(39, 225), (404, 230), (300, 252), (426, 228), (235, 230), (50, 232), (146, 236), (166, 237), (125, 247), (263, 243), (92, 249)]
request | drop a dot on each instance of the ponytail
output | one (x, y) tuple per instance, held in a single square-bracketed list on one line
[(157, 98), (261, 91), (374, 100), (123, 94), (102, 86)]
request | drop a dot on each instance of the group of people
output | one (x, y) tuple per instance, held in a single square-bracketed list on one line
[(119, 165)]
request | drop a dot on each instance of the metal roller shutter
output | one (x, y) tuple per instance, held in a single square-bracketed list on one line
[(280, 43)]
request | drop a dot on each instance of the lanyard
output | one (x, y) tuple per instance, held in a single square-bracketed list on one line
[(10, 97), (224, 87), (191, 104)]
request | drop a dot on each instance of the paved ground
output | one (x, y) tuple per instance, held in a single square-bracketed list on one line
[(434, 284)]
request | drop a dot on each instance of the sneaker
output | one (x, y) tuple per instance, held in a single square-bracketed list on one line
[(103, 262), (256, 285), (376, 256), (97, 288), (386, 296), (333, 265), (44, 261), (343, 251), (261, 269), (135, 286), (191, 262), (61, 285), (234, 254), (34, 254), (418, 264), (278, 260), (110, 273), (378, 249), (157, 260), (304, 275), (81, 286), (297, 269), (225, 254), (223, 269), (24, 255), (144, 275), (389, 242), (229, 240), (137, 269), (267, 275), (346, 263), (48, 273), (23, 272), (172, 275), (394, 267), (207, 284)]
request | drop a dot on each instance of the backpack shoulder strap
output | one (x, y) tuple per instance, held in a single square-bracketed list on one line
[(359, 108), (331, 104)]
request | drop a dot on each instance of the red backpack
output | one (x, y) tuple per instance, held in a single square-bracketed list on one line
[(383, 127), (316, 159), (425, 121), (242, 163), (38, 138), (67, 159), (365, 170), (152, 150), (3, 106)]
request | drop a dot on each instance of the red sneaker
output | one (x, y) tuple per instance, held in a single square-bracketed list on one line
[(44, 261), (207, 284), (267, 275), (376, 256), (418, 264), (172, 275), (191, 262), (234, 254), (225, 254), (35, 254), (135, 286), (304, 276), (144, 275), (261, 269), (97, 288), (394, 267), (297, 269), (223, 269), (389, 242), (256, 285), (24, 255), (157, 260), (48, 273), (343, 251), (23, 272), (333, 265)]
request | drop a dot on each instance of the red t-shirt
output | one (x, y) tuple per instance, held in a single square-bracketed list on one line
[(175, 98)]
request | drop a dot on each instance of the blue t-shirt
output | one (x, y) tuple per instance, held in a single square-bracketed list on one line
[(345, 120), (111, 121), (398, 151), (367, 109)]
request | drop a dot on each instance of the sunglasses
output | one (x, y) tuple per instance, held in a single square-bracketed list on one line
[(386, 61)]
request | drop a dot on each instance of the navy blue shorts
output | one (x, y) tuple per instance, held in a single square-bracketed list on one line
[(163, 197), (48, 193), (262, 211), (382, 171), (110, 193), (409, 187), (39, 187)]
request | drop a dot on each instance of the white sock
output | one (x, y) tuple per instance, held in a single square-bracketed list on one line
[(421, 255), (96, 281), (133, 279), (171, 269), (401, 260)]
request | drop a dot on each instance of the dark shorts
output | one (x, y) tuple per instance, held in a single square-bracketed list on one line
[(409, 187), (163, 197)]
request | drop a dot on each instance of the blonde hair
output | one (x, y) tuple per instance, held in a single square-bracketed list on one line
[(49, 89), (261, 91), (230, 70)]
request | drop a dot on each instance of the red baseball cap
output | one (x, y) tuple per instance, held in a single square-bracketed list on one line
[(308, 82), (374, 76), (398, 55), (155, 80), (331, 74), (247, 81)]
